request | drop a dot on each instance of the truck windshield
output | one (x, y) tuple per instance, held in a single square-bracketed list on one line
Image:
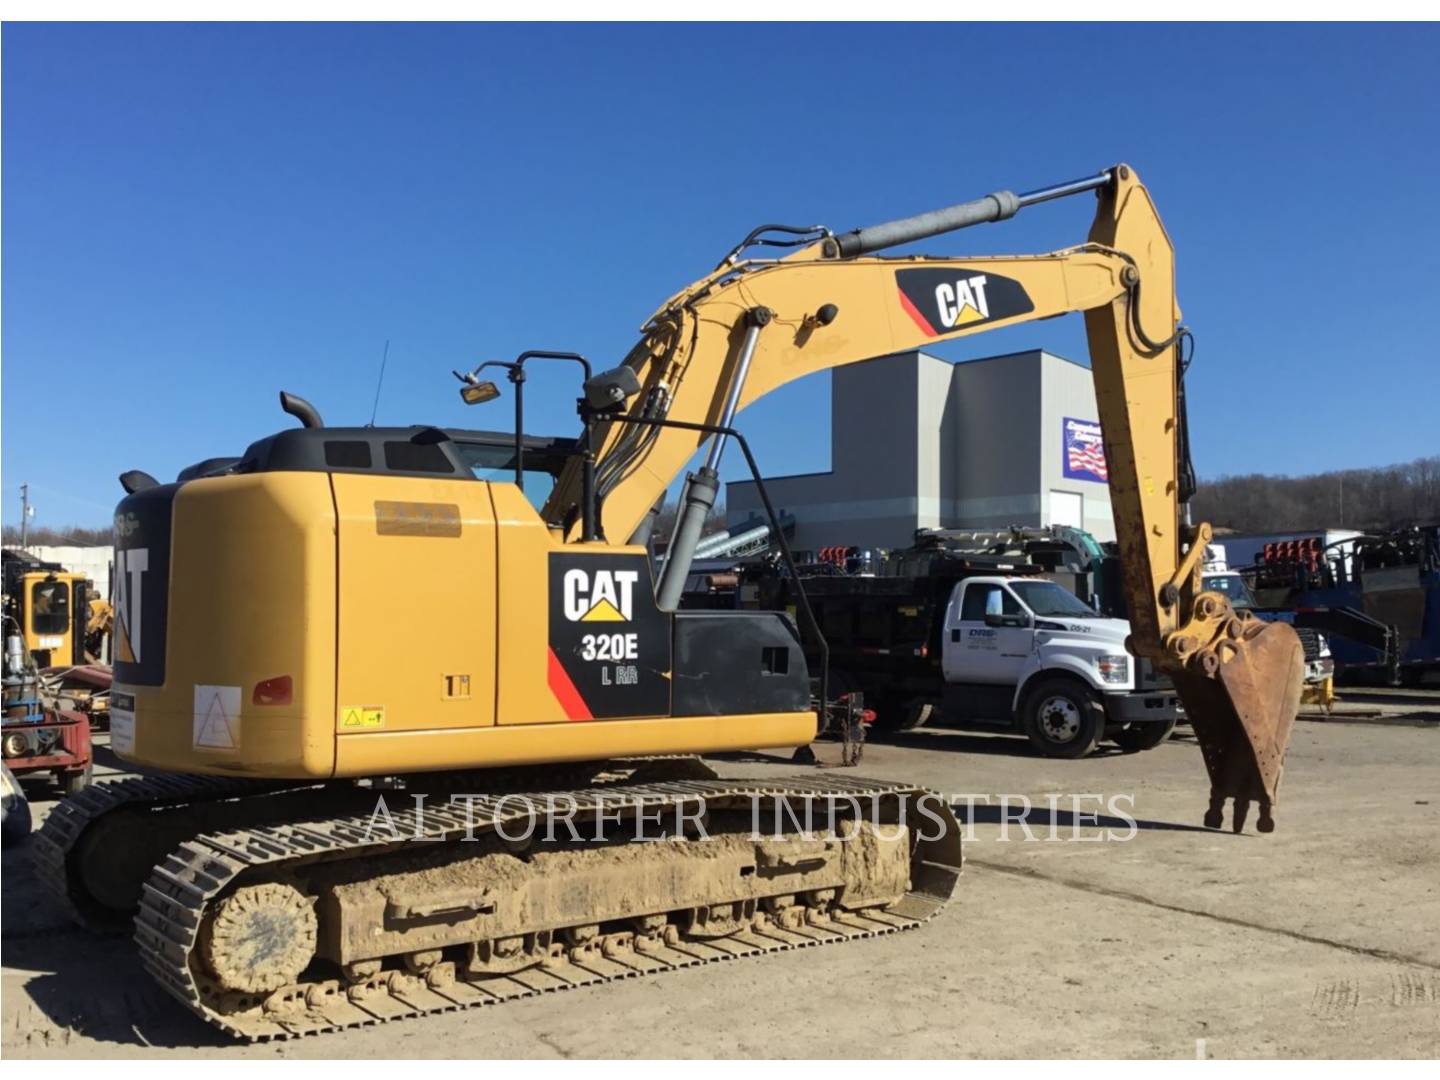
[(1232, 587), (1047, 598)]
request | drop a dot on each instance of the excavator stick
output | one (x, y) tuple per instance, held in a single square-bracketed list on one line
[(1238, 677), (1241, 694)]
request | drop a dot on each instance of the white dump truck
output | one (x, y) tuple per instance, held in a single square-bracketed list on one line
[(1030, 652), (984, 643)]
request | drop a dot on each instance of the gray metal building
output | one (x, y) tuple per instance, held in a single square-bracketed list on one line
[(919, 442)]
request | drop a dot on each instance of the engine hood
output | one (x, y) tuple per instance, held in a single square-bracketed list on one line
[(1107, 634)]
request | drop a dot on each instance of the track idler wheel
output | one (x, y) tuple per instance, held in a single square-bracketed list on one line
[(1241, 693), (114, 857), (260, 938)]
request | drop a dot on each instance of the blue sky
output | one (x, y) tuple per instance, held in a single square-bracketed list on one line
[(197, 217)]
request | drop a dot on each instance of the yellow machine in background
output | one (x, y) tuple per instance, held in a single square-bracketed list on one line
[(340, 608), (1321, 693), (50, 607), (100, 618)]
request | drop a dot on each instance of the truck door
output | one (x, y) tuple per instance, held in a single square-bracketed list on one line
[(975, 650)]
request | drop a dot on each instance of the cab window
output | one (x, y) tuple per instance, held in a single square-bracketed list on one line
[(50, 607), (1230, 586), (497, 465), (1046, 598), (981, 600)]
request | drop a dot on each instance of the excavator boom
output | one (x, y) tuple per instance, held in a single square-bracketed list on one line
[(753, 325)]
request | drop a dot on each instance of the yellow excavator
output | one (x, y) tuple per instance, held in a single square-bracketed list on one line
[(354, 661)]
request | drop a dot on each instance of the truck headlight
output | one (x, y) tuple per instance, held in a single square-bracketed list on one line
[(1114, 668)]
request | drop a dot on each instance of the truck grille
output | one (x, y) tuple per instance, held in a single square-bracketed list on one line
[(1310, 641), (1146, 678)]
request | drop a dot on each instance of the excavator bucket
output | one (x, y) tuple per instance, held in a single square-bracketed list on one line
[(1241, 698)]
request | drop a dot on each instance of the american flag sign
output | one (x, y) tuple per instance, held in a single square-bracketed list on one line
[(1084, 451)]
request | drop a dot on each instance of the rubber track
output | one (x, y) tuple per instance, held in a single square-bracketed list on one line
[(72, 815), (177, 894)]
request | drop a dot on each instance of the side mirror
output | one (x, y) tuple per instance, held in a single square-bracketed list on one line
[(1014, 622), (478, 393), (609, 390)]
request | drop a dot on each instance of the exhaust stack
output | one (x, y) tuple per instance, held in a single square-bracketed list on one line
[(302, 410)]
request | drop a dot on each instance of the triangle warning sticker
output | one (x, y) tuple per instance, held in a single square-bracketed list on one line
[(217, 718)]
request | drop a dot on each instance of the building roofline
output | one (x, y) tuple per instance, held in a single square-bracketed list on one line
[(1023, 352), (784, 476), (979, 359)]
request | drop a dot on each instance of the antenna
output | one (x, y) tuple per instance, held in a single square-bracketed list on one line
[(379, 383), (26, 513)]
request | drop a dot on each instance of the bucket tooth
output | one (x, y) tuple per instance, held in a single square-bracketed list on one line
[(1241, 698)]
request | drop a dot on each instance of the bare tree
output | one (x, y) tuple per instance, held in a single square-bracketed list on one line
[(1375, 499), (66, 535)]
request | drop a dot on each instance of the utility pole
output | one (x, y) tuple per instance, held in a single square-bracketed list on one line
[(24, 514)]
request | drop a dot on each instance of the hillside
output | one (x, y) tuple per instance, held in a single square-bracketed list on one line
[(1376, 499)]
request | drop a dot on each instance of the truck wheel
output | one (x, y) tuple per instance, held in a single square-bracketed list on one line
[(1063, 718), (1412, 677), (74, 782), (1136, 737)]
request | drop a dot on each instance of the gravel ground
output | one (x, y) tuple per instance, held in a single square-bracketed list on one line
[(1321, 940)]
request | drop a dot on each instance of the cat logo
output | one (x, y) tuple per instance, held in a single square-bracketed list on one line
[(951, 300), (962, 302), (604, 596), (609, 645), (130, 567)]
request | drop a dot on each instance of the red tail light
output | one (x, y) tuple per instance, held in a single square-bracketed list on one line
[(277, 691)]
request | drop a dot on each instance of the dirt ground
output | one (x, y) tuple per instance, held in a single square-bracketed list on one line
[(1321, 940)]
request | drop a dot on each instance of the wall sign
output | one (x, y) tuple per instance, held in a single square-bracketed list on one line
[(1084, 451)]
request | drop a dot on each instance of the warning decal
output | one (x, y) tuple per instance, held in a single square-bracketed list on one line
[(361, 717), (217, 718), (122, 722)]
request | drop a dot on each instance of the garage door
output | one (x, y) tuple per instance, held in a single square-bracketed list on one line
[(1067, 508)]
